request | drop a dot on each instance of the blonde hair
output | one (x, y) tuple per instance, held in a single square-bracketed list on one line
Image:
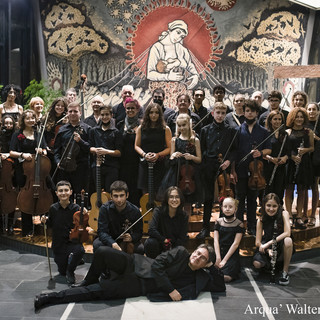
[(220, 106), (185, 117), (34, 100), (235, 201)]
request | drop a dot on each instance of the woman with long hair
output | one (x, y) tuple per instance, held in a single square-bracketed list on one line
[(300, 171), (169, 225), (152, 143), (314, 126), (278, 141), (23, 147), (273, 225)]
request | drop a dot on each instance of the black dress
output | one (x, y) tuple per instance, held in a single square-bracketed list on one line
[(227, 232), (311, 125), (304, 176), (129, 165), (279, 179), (175, 178), (152, 140)]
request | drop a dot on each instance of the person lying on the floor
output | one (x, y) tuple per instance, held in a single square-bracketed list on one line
[(173, 276)]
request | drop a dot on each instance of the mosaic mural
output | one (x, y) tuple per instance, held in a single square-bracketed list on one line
[(173, 44)]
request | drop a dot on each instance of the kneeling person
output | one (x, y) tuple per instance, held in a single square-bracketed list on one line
[(67, 254)]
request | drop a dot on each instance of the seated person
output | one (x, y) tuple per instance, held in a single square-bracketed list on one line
[(169, 225)]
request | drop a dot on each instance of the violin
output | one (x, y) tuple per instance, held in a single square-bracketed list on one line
[(8, 194), (224, 182), (125, 246), (256, 179), (56, 130), (187, 182), (80, 220), (68, 161)]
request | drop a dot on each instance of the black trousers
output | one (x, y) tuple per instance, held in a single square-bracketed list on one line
[(68, 257), (124, 285)]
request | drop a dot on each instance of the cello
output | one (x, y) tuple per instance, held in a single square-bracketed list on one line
[(186, 181), (35, 197), (80, 220)]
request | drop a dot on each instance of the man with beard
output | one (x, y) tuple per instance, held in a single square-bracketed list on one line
[(173, 276), (250, 135), (158, 97)]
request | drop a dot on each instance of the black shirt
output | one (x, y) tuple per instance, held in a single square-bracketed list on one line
[(61, 221), (109, 139), (63, 138), (173, 118), (91, 121)]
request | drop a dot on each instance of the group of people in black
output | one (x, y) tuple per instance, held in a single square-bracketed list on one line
[(177, 155)]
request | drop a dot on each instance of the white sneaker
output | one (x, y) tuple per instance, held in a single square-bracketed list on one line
[(284, 279)]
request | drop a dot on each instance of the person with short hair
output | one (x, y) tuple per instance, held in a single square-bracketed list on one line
[(94, 119), (106, 142), (250, 135), (118, 111), (37, 104), (115, 217), (67, 253), (174, 275), (257, 96), (215, 139), (72, 141), (71, 95), (198, 96), (274, 100)]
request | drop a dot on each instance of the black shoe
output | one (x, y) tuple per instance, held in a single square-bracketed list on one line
[(70, 277), (82, 283), (41, 300), (203, 234), (81, 262)]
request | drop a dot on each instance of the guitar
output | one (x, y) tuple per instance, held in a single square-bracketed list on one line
[(97, 198), (147, 200)]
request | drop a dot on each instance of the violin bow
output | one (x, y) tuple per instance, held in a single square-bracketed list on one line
[(286, 100), (63, 155), (225, 155), (201, 120), (42, 132), (261, 143), (124, 232)]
